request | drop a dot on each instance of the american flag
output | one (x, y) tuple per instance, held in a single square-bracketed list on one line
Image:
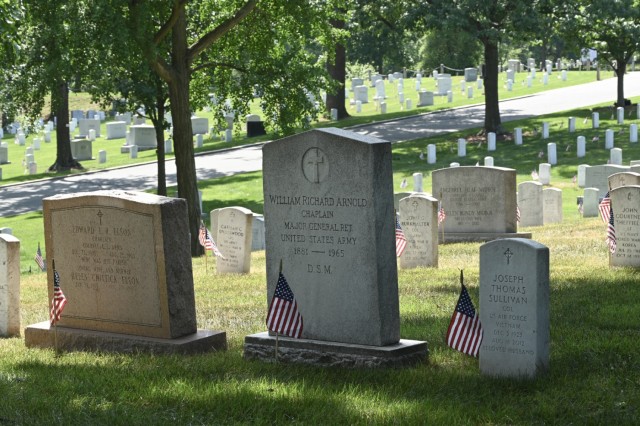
[(517, 213), (403, 184), (59, 300), (401, 240), (581, 207), (283, 316), (465, 331), (574, 179), (207, 242), (605, 208), (534, 175), (38, 258), (441, 214)]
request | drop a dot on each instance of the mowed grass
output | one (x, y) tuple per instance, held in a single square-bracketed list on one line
[(595, 328)]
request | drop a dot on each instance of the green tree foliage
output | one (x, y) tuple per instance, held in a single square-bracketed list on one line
[(490, 23), (454, 49), (610, 27)]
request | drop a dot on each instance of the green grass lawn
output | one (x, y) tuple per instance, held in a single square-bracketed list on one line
[(594, 375)]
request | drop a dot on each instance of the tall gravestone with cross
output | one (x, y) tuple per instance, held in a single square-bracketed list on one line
[(329, 218), (514, 308), (124, 263)]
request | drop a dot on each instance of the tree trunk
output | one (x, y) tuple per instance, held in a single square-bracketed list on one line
[(337, 71), (621, 68), (158, 124), (64, 159), (492, 121), (182, 132)]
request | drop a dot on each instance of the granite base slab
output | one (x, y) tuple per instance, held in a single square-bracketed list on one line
[(41, 335), (261, 346), (460, 237)]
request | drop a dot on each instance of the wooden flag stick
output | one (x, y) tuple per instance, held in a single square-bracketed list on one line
[(55, 313)]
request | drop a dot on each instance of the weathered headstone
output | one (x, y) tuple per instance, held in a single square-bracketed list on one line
[(581, 146), (518, 135), (462, 147), (417, 182), (530, 203), (233, 237), (544, 173), (595, 120), (361, 93), (431, 153), (143, 136), (480, 202), (82, 149), (615, 156), (598, 176), (9, 285), (514, 308), (419, 222), (443, 84), (86, 124), (617, 180), (552, 155), (625, 201), (581, 174), (470, 74), (491, 141), (116, 130), (124, 262), (257, 232), (488, 161), (590, 202), (330, 212), (425, 98), (552, 205), (4, 154)]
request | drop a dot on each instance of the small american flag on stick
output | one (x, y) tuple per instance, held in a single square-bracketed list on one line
[(206, 241), (283, 316), (59, 300), (465, 331), (38, 258), (401, 240)]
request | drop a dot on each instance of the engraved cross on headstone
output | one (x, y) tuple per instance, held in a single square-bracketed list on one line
[(100, 214), (508, 255), (315, 161)]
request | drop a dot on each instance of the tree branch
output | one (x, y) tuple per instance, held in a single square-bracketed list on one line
[(166, 27), (219, 64), (213, 35)]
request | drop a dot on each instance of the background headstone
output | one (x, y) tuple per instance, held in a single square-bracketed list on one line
[(530, 203), (233, 237), (419, 222), (9, 285), (552, 205), (625, 201)]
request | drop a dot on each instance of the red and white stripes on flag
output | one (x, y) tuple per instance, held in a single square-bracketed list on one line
[(517, 213), (283, 316), (206, 241), (465, 331), (59, 300), (606, 214), (401, 240), (441, 213)]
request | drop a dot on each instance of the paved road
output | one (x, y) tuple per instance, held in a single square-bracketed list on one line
[(23, 198)]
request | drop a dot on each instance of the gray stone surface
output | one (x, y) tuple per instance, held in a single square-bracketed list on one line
[(199, 125), (551, 205), (590, 202), (116, 130), (514, 308), (257, 232), (86, 124), (124, 262), (625, 201), (233, 237), (329, 354), (4, 155), (530, 203), (143, 136), (71, 339), (329, 218), (477, 200), (9, 286), (598, 176), (624, 179), (82, 149), (419, 221)]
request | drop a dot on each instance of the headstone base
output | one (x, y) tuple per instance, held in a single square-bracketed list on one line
[(261, 346), (41, 335), (460, 237)]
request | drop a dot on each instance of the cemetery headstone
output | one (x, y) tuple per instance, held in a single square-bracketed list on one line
[(544, 173), (462, 147), (124, 262), (581, 175), (257, 232), (491, 141), (598, 176), (116, 130), (518, 135), (617, 180), (514, 308), (488, 161), (143, 136), (470, 74), (608, 139), (625, 201), (9, 285), (419, 222), (480, 202), (82, 149), (615, 156), (581, 147), (431, 153), (417, 182), (86, 124), (425, 98), (322, 217), (361, 93), (590, 201), (552, 205), (530, 202), (444, 84), (595, 120), (233, 237)]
